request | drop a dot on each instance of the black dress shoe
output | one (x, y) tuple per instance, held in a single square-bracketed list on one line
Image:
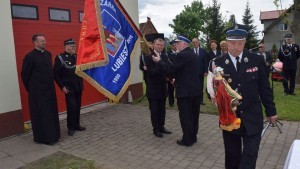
[(81, 128), (71, 132), (158, 134), (202, 103), (51, 143), (165, 131), (293, 94), (181, 143)]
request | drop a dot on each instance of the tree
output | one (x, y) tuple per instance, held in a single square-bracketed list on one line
[(248, 20), (295, 28), (216, 26), (190, 21), (231, 22)]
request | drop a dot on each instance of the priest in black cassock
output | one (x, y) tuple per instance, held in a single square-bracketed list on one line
[(38, 80)]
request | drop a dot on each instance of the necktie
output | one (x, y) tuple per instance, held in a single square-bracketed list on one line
[(196, 51), (238, 64)]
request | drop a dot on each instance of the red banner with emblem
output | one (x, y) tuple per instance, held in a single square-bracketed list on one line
[(92, 51)]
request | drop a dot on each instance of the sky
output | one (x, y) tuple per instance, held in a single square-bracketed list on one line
[(162, 12)]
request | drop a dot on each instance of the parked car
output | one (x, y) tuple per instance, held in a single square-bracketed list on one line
[(277, 70)]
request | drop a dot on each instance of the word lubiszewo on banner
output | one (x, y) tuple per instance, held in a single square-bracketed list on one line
[(121, 38)]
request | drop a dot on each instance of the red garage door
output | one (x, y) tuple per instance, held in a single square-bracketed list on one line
[(57, 20)]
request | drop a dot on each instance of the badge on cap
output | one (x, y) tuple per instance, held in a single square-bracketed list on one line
[(288, 36)]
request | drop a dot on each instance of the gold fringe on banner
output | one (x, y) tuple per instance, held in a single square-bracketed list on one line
[(84, 26)]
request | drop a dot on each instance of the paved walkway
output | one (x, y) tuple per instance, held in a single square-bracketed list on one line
[(120, 137)]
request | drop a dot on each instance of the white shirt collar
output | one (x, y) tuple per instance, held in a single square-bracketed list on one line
[(233, 58)]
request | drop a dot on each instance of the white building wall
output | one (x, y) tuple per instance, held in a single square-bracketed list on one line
[(132, 9), (9, 85)]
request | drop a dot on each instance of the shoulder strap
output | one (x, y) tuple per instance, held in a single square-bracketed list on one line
[(65, 64)]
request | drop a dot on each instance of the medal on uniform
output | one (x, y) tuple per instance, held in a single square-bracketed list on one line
[(246, 60), (296, 49), (226, 61), (69, 63), (229, 80)]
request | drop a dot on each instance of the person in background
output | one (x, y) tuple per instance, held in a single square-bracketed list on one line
[(170, 79), (224, 47), (246, 75), (144, 52), (288, 55), (213, 53), (202, 64), (267, 58), (38, 80), (70, 84)]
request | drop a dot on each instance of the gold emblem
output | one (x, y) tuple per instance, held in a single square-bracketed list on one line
[(246, 60), (229, 80), (226, 61)]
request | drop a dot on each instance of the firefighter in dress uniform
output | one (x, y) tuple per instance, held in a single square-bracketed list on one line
[(71, 84), (288, 55), (245, 73)]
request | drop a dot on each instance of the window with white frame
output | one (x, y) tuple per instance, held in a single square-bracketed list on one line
[(283, 27)]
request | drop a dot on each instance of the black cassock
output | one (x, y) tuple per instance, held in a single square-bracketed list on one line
[(38, 80)]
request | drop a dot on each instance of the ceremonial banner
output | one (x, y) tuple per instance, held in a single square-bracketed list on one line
[(121, 40), (91, 49)]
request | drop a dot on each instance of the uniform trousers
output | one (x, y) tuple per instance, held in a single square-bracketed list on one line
[(189, 109), (73, 100), (201, 87), (171, 93), (289, 75), (158, 112), (241, 151)]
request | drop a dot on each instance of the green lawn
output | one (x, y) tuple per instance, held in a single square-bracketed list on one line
[(60, 160), (288, 107)]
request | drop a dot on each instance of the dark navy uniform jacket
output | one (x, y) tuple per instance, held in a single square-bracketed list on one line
[(186, 70), (64, 72), (288, 55), (253, 85)]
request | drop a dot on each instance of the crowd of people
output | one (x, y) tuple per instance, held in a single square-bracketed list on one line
[(247, 74), (182, 69)]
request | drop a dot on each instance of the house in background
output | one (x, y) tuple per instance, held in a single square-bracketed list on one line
[(147, 27), (275, 27)]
